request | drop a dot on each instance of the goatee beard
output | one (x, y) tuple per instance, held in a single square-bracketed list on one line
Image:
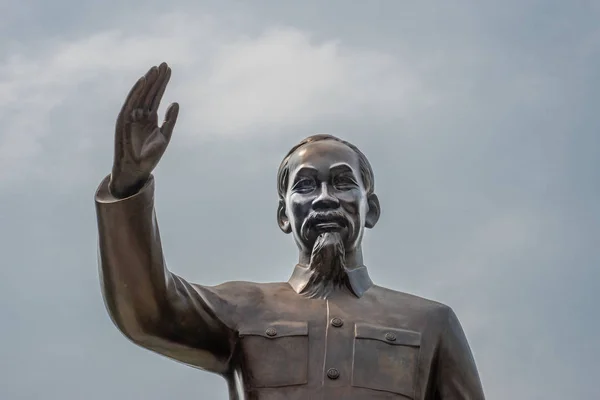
[(327, 266)]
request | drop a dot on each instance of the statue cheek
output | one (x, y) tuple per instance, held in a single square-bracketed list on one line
[(354, 197), (353, 206), (297, 206)]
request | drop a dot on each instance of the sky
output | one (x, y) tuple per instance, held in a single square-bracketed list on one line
[(479, 119)]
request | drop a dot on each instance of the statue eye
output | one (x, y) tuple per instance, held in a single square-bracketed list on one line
[(304, 185), (344, 182)]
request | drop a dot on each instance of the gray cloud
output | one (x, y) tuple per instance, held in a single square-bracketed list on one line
[(480, 123)]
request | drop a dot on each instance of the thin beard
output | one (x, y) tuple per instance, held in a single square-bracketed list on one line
[(327, 266)]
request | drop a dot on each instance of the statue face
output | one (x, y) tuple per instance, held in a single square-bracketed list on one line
[(325, 193)]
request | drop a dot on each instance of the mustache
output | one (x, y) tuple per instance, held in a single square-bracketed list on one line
[(318, 217)]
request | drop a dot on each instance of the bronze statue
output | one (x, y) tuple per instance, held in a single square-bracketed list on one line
[(328, 333)]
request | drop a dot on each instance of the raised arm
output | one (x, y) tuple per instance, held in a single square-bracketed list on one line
[(151, 306), (457, 375)]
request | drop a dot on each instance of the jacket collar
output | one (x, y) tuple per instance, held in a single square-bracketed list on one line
[(358, 278)]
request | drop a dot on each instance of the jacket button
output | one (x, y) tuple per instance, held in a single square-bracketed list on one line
[(271, 332), (390, 337), (333, 373), (337, 322)]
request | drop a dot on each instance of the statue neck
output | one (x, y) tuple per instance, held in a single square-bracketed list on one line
[(354, 258), (322, 275)]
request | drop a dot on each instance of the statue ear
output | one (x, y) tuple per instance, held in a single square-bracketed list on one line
[(282, 219), (374, 211)]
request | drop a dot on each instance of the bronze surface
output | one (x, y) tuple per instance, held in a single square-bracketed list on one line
[(328, 333)]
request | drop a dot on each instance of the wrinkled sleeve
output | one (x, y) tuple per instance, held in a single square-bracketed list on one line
[(457, 375), (153, 307)]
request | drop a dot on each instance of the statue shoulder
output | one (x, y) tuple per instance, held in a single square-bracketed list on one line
[(392, 298), (245, 292)]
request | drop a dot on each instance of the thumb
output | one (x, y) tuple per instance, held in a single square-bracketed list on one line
[(170, 120)]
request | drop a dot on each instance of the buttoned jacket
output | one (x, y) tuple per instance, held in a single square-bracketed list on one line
[(268, 341)]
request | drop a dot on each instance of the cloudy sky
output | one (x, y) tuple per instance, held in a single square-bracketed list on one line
[(480, 120)]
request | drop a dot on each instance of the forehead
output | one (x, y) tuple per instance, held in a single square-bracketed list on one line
[(322, 156)]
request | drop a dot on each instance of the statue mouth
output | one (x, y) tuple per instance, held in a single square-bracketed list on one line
[(333, 221), (329, 226)]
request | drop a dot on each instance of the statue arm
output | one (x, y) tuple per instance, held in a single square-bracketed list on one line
[(151, 306), (457, 375)]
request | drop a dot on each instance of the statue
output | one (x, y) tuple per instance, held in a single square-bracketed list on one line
[(328, 333)]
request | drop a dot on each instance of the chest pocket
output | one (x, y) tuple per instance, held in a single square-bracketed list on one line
[(276, 354), (386, 359)]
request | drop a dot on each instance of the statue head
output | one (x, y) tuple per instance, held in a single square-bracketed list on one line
[(326, 187)]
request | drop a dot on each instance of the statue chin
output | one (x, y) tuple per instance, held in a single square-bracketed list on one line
[(327, 266)]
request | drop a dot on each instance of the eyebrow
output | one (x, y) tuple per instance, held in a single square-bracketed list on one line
[(307, 171), (336, 168), (341, 167)]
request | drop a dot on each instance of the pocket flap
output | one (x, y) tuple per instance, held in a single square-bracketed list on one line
[(392, 336), (275, 329)]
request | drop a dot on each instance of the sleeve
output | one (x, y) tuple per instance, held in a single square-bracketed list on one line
[(457, 375), (153, 307)]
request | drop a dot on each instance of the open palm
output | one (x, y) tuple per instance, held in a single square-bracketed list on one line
[(139, 141)]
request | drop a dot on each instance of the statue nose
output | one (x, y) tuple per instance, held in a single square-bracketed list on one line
[(325, 200)]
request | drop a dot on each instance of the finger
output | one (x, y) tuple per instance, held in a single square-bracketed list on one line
[(151, 76), (136, 94), (161, 91), (138, 115), (170, 120), (133, 96), (153, 89), (128, 146)]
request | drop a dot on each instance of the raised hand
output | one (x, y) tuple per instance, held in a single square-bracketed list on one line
[(139, 141)]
